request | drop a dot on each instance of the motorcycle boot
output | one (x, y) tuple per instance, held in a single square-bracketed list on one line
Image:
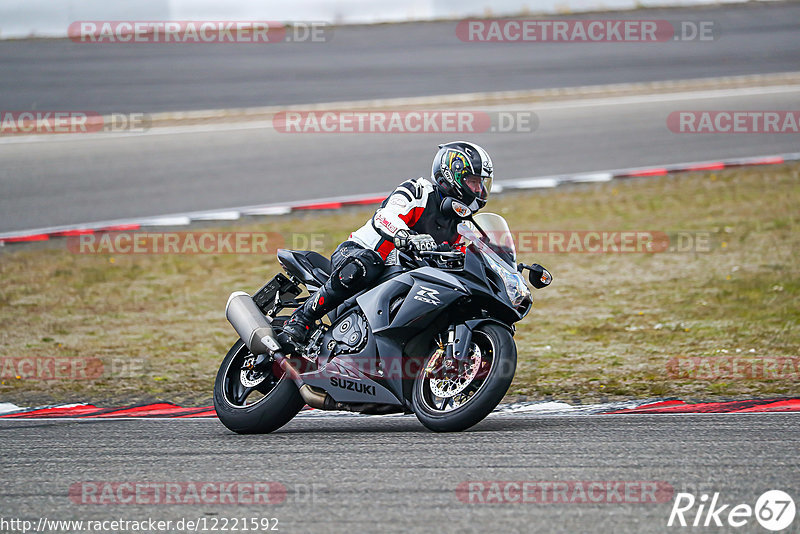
[(356, 268)]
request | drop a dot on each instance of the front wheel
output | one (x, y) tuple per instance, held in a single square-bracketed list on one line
[(458, 398), (251, 401)]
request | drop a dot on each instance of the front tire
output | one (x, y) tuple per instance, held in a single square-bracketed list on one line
[(277, 398), (495, 354)]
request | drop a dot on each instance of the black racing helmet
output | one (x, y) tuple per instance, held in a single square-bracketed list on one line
[(463, 170)]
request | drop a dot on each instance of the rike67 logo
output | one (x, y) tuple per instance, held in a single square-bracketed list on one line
[(774, 510)]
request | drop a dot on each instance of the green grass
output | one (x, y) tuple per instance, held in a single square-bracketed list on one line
[(605, 329)]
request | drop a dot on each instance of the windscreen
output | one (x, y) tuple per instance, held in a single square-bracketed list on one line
[(498, 236)]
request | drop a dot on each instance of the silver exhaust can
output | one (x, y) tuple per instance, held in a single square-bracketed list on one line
[(251, 325)]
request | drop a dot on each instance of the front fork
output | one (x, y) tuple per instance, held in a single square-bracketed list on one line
[(453, 350)]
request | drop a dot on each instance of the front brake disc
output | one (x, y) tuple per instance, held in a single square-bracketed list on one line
[(450, 386)]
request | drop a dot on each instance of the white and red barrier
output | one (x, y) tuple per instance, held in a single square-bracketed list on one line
[(335, 203)]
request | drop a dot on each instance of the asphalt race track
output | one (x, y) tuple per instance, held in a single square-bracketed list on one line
[(366, 471), (387, 474), (364, 62), (53, 180)]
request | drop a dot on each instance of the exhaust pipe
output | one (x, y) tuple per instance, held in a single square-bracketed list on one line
[(315, 399), (312, 396), (255, 330), (251, 325)]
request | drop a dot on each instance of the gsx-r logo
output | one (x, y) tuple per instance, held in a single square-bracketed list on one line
[(426, 294)]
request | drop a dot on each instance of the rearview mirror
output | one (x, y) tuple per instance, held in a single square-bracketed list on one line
[(539, 277), (451, 205)]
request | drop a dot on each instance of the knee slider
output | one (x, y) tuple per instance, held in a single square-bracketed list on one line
[(351, 273), (373, 264)]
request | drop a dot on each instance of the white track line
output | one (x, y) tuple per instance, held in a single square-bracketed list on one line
[(561, 104)]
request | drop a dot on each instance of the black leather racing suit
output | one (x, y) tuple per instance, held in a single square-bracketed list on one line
[(414, 206)]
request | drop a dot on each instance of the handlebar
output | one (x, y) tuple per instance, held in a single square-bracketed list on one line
[(453, 254), (446, 259)]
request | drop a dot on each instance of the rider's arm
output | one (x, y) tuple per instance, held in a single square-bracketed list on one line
[(402, 210)]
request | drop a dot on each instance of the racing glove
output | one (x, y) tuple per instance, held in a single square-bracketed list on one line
[(404, 240)]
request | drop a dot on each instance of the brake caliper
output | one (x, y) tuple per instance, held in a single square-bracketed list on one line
[(435, 361)]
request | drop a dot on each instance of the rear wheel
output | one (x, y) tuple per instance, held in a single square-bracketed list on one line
[(455, 399), (253, 401)]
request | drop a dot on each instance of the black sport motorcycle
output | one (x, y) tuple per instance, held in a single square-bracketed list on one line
[(433, 336)]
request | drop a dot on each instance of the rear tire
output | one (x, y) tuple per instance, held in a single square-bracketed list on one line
[(496, 345), (279, 404)]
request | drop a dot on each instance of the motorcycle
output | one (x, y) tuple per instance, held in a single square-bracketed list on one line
[(433, 336)]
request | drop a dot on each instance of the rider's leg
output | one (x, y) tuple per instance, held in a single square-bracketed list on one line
[(354, 268)]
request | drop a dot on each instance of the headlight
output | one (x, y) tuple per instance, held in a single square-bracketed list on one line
[(516, 288)]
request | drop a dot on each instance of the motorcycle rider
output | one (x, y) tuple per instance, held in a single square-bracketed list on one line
[(418, 215)]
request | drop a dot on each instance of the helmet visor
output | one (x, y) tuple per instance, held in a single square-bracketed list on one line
[(478, 186)]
